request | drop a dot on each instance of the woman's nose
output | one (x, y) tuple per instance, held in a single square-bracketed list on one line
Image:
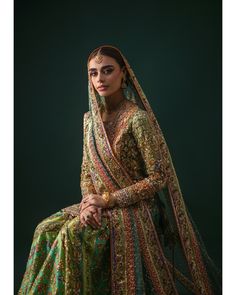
[(100, 77)]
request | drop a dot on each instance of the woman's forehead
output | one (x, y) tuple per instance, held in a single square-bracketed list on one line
[(106, 60)]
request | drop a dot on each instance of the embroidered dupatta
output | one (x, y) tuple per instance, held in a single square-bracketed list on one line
[(133, 236)]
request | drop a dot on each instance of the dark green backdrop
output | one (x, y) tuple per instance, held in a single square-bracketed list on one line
[(174, 48)]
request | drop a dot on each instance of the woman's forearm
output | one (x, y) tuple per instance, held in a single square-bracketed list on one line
[(141, 190)]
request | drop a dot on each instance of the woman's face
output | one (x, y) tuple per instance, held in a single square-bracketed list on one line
[(106, 76)]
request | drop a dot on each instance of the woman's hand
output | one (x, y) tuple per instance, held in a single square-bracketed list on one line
[(92, 216), (93, 199)]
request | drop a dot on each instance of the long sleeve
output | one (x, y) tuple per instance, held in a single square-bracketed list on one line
[(86, 183), (156, 177)]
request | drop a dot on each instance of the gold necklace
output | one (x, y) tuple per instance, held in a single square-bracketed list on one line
[(118, 109), (110, 126)]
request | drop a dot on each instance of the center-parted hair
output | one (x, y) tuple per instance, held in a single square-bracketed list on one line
[(108, 51)]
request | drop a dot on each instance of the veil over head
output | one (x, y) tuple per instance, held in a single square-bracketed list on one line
[(192, 267)]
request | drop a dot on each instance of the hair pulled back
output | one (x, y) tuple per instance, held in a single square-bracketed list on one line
[(108, 51)]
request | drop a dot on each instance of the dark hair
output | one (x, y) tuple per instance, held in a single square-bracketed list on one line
[(108, 51)]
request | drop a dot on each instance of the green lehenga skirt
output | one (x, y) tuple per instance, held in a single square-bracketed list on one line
[(66, 258)]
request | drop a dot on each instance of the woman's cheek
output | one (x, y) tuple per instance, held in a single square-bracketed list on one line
[(116, 81)]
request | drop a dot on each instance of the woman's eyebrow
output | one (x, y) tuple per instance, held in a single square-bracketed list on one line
[(102, 68)]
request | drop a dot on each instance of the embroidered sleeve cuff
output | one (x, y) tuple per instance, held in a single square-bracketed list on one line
[(141, 190)]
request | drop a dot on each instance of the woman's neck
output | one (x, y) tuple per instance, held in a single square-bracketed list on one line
[(113, 101)]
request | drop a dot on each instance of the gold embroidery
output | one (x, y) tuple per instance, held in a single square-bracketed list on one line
[(139, 151), (86, 183)]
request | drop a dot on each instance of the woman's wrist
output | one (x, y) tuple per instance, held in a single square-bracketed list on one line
[(112, 201), (109, 199)]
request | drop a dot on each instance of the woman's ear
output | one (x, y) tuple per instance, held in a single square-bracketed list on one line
[(124, 71)]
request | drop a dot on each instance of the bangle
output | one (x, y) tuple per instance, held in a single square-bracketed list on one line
[(106, 197)]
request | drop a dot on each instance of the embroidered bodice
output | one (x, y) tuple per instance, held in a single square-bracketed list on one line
[(135, 146)]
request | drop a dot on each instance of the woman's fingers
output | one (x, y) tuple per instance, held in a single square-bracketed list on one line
[(85, 207), (87, 198), (82, 220), (97, 216), (88, 216), (88, 207), (92, 222), (93, 200), (82, 208)]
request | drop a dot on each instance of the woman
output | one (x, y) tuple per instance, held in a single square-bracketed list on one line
[(131, 233)]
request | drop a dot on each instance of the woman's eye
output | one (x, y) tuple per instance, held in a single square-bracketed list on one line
[(108, 71), (93, 74)]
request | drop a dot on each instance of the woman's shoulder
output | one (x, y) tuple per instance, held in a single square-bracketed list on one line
[(140, 115), (134, 111)]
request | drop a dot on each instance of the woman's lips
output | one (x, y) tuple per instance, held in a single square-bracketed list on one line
[(102, 88)]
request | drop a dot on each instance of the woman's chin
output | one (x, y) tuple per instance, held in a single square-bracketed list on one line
[(108, 92), (104, 93)]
